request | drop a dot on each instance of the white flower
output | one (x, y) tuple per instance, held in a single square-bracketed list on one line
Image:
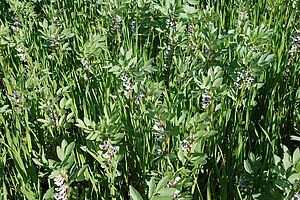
[(158, 127), (189, 28), (296, 196), (109, 149), (126, 82), (175, 195), (117, 23), (114, 149), (59, 181), (142, 95), (169, 50), (159, 137), (174, 181), (170, 22), (60, 188), (236, 84), (21, 54), (185, 145), (104, 146), (157, 150), (133, 27)]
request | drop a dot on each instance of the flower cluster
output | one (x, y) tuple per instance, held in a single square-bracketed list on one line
[(21, 55), (244, 184), (16, 24), (169, 50), (133, 26), (159, 127), (296, 196), (170, 22), (117, 23), (185, 145), (189, 28), (159, 137), (52, 117), (169, 53), (16, 97), (243, 78), (206, 100), (60, 188), (157, 150), (110, 150), (295, 44), (141, 96), (126, 82)]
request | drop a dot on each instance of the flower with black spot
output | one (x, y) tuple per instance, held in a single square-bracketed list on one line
[(170, 22), (126, 82), (157, 150), (117, 23), (174, 181), (60, 188), (189, 28), (175, 195), (133, 26), (206, 100), (159, 127), (21, 55), (185, 145)]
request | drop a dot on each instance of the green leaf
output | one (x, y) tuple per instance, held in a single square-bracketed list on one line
[(247, 167), (62, 103), (162, 183), (282, 184), (80, 123), (286, 161), (114, 69), (296, 156), (37, 162), (180, 155), (60, 153), (69, 148), (168, 192), (134, 194), (189, 9), (217, 82), (162, 198), (193, 2), (80, 173), (294, 178), (151, 185), (128, 54), (4, 108), (61, 120), (277, 159), (70, 115), (49, 194), (140, 3), (43, 121), (68, 103)]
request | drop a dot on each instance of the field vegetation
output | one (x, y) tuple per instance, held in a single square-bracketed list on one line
[(149, 99)]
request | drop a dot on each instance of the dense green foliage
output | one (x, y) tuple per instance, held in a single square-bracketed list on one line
[(149, 99)]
